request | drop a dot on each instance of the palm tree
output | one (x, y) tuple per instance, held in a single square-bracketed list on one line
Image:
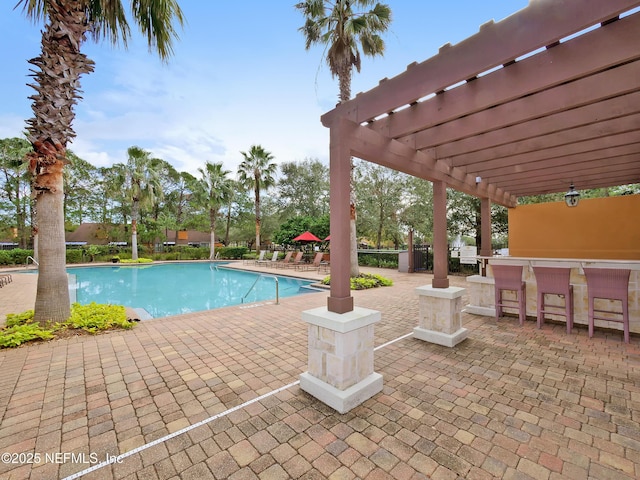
[(342, 29), (256, 172), (213, 191), (141, 177), (56, 82)]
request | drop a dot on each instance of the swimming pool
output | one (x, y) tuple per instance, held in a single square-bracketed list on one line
[(170, 289)]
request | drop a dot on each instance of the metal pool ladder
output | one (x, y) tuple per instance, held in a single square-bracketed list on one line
[(254, 284), (26, 262)]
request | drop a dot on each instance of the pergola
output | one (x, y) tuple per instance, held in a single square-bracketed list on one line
[(546, 97)]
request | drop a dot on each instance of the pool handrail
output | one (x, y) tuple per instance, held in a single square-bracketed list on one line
[(254, 284), (33, 260)]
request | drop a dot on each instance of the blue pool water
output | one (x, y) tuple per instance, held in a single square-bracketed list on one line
[(171, 289)]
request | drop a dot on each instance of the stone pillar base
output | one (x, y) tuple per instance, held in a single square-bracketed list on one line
[(481, 297), (439, 338), (340, 366), (483, 311), (440, 316), (341, 400)]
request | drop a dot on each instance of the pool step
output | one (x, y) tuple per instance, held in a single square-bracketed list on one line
[(138, 314)]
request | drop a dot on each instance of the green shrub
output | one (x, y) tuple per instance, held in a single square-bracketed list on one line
[(5, 257), (95, 317), (74, 256), (194, 253), (381, 260), (20, 329), (19, 318), (140, 260), (364, 281), (19, 334), (19, 256), (232, 252), (90, 318)]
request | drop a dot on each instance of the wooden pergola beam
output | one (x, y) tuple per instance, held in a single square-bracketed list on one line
[(495, 44), (620, 131), (611, 108), (368, 145), (588, 54)]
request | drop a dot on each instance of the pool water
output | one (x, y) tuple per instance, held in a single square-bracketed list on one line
[(171, 289)]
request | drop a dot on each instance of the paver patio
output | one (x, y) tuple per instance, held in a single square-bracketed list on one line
[(509, 402)]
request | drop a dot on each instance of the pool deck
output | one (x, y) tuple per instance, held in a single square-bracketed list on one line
[(214, 395)]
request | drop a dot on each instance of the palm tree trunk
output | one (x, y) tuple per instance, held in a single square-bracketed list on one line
[(52, 295), (134, 230), (228, 227), (57, 89), (258, 220), (212, 222)]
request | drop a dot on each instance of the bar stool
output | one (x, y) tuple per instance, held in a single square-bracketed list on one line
[(608, 284), (554, 281), (509, 277)]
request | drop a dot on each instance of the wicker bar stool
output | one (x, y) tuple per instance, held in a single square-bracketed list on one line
[(509, 277), (554, 281), (608, 284)]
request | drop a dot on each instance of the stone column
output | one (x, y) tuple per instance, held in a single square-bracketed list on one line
[(340, 370), (440, 316)]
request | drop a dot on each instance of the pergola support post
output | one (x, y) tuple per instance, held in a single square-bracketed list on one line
[(340, 299), (440, 306), (440, 243), (340, 336), (486, 249)]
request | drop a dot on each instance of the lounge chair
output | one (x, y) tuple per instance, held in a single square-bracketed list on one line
[(324, 266), (297, 260), (273, 261), (317, 260), (255, 261), (284, 261)]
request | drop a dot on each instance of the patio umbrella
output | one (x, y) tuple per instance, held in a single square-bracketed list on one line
[(306, 237), (327, 239)]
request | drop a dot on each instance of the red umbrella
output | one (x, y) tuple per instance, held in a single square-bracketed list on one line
[(327, 239), (306, 237)]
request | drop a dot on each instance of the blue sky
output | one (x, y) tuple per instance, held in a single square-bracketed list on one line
[(240, 76)]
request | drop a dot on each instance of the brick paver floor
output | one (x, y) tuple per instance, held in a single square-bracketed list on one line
[(509, 402)]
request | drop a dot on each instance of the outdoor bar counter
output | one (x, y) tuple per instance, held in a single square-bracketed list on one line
[(482, 299)]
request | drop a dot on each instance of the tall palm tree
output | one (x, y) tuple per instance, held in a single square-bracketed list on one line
[(56, 82), (213, 191), (343, 27), (143, 187), (256, 171)]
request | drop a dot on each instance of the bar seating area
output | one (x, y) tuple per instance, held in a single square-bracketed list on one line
[(580, 261), (597, 294)]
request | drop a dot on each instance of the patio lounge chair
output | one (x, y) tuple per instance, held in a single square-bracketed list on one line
[(297, 260), (312, 266), (273, 261), (285, 260), (259, 259)]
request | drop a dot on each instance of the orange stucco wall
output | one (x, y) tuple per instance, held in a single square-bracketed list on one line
[(606, 228)]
